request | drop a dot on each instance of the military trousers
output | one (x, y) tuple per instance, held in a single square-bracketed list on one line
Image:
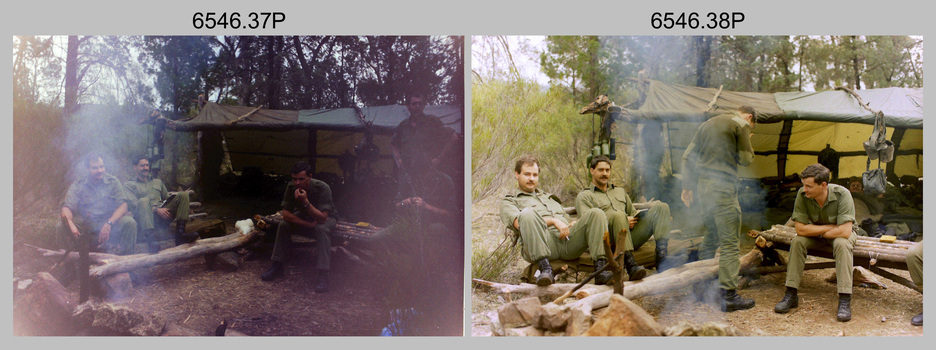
[(178, 207), (841, 250), (320, 233), (655, 222), (541, 241), (722, 217), (121, 240), (915, 264)]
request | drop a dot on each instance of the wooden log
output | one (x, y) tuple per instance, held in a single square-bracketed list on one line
[(552, 291), (866, 250), (553, 316), (175, 254)]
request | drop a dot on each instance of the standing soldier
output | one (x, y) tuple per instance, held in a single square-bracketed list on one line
[(710, 166), (151, 205), (421, 135)]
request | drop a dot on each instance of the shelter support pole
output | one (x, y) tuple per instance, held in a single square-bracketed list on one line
[(312, 144), (896, 137), (783, 146)]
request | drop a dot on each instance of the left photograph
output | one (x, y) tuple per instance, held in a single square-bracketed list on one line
[(238, 185)]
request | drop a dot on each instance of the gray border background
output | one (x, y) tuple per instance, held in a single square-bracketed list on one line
[(482, 17)]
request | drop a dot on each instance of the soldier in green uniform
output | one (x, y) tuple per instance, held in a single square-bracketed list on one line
[(915, 265), (544, 227), (625, 226), (307, 209), (95, 205), (710, 167), (152, 205), (824, 214), (421, 134)]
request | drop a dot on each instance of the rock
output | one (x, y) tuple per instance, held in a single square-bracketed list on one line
[(117, 286), (117, 320), (175, 330), (578, 323), (44, 308), (496, 328), (518, 313), (528, 331), (226, 261), (686, 329), (625, 318)]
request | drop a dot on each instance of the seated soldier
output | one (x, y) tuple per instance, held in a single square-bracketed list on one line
[(824, 214), (95, 207), (307, 209), (624, 220), (544, 228), (153, 207)]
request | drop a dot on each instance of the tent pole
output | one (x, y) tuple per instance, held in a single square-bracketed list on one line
[(896, 137), (312, 144), (783, 146)]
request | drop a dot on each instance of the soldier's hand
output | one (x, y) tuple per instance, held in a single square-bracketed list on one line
[(301, 195), (163, 213), (105, 233), (631, 222), (563, 229), (687, 197), (74, 229)]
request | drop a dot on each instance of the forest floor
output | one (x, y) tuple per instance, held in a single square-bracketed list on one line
[(875, 312)]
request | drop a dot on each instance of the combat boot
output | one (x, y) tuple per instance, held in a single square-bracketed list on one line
[(790, 300), (634, 270), (181, 237), (732, 301), (660, 255), (844, 308), (275, 271), (917, 320), (545, 277), (605, 276), (321, 283)]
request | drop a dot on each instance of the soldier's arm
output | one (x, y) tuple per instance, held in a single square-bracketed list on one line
[(509, 212), (294, 219), (745, 149), (583, 202), (804, 226), (845, 217)]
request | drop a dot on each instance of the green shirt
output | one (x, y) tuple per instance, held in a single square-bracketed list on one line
[(717, 148), (839, 208), (436, 189), (153, 190), (423, 134), (546, 205), (95, 200), (615, 199), (319, 195)]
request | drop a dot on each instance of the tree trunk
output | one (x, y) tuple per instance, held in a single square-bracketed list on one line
[(71, 76)]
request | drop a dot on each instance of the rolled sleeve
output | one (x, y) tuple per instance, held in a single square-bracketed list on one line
[(509, 211), (583, 202), (799, 209), (846, 209)]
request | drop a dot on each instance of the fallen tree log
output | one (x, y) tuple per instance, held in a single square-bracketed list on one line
[(175, 254), (569, 316), (867, 251)]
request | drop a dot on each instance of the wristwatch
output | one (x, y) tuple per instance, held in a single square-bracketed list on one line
[(110, 223)]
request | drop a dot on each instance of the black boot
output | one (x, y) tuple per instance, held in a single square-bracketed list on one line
[(660, 255), (605, 276), (917, 320), (546, 275), (181, 237), (634, 271), (275, 271), (790, 300), (844, 308), (731, 301), (321, 283)]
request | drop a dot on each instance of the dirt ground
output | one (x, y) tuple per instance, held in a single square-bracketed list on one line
[(875, 312), (189, 294)]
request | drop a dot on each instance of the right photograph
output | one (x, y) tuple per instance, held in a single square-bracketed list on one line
[(697, 185)]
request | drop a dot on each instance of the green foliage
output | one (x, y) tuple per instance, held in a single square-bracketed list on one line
[(488, 264), (513, 118), (578, 62)]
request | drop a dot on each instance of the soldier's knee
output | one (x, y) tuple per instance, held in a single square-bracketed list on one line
[(798, 242), (595, 212), (527, 214), (183, 195), (661, 208)]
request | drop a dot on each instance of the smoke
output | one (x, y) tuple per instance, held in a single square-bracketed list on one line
[(112, 131)]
